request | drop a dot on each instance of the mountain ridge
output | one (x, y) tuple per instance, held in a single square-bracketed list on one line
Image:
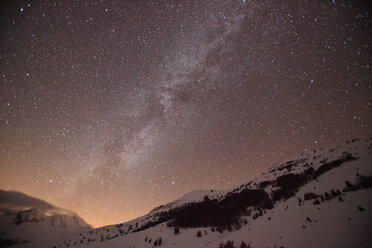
[(24, 218), (246, 204)]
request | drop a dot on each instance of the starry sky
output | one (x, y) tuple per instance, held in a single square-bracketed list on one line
[(111, 108)]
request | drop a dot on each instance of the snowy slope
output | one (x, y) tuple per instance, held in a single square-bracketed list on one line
[(30, 222), (319, 199)]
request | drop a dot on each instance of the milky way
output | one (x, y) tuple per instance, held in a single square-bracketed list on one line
[(111, 108)]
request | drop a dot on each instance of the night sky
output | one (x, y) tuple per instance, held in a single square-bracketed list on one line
[(111, 108)]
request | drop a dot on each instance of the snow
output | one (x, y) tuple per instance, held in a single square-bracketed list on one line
[(332, 227), (343, 220), (193, 196), (27, 226), (23, 218)]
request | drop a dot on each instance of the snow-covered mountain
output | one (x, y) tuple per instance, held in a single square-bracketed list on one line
[(31, 222), (322, 198)]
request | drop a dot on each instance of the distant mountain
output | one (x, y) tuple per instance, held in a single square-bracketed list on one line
[(321, 198), (13, 200), (30, 222)]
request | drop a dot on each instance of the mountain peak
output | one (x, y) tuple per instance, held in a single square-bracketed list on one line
[(308, 195), (23, 218)]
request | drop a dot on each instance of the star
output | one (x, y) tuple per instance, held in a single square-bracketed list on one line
[(111, 99)]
